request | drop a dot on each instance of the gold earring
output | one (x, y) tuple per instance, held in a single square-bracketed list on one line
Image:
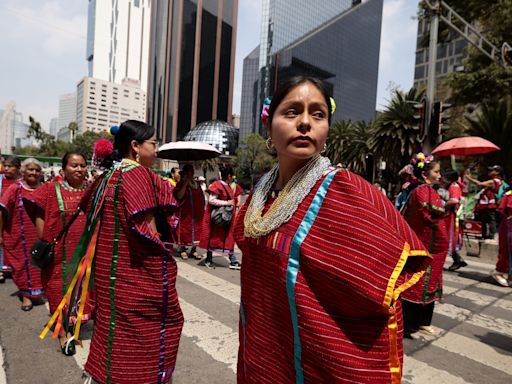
[(137, 158), (269, 145), (325, 148)]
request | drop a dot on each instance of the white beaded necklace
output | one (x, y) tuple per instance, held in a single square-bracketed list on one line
[(296, 189)]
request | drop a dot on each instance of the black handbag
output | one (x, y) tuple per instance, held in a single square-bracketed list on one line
[(42, 252), (222, 215)]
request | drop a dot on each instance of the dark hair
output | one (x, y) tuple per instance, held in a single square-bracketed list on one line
[(418, 172), (13, 160), (187, 167), (131, 130), (67, 155), (289, 84), (225, 172), (450, 175)]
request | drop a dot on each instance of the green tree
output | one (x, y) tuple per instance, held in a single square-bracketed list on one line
[(357, 150), (337, 140), (394, 136), (84, 143), (73, 127), (252, 159), (493, 122)]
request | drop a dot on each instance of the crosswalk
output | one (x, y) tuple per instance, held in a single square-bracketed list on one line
[(474, 320)]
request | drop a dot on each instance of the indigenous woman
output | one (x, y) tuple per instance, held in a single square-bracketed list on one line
[(138, 319), (9, 177), (215, 237), (503, 272), (426, 215), (453, 209), (325, 258), (189, 194), (19, 233), (53, 206)]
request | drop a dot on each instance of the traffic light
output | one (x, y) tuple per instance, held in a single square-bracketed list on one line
[(439, 119), (419, 116), (506, 54)]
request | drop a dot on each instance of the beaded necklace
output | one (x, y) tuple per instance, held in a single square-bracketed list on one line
[(69, 188), (296, 189)]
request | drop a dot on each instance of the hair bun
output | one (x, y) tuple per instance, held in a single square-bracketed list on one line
[(114, 130)]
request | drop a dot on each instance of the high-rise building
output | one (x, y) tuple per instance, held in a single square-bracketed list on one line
[(13, 131), (54, 126), (118, 40), (451, 54), (101, 104), (338, 42), (67, 110), (191, 67)]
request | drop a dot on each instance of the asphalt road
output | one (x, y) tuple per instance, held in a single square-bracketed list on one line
[(475, 344)]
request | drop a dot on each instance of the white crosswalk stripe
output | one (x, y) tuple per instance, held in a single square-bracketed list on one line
[(220, 341)]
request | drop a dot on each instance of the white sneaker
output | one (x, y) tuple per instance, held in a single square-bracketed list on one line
[(500, 278)]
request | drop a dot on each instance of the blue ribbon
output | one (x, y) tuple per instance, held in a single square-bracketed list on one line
[(293, 269)]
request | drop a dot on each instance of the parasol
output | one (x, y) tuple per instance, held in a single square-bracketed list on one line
[(187, 151), (467, 145)]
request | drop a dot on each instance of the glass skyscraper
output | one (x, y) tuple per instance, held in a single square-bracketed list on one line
[(191, 64), (337, 41)]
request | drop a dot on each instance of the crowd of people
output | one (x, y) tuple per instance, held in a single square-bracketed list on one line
[(334, 274)]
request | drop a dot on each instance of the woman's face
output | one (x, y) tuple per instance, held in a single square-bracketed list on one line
[(147, 151), (32, 174), (434, 175), (11, 171), (75, 171), (300, 123)]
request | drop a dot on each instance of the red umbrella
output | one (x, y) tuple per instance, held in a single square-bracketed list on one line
[(467, 145)]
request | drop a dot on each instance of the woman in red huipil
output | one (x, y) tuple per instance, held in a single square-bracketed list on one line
[(10, 176), (215, 237), (325, 258), (138, 320), (503, 272), (52, 205), (426, 215), (19, 233), (189, 194)]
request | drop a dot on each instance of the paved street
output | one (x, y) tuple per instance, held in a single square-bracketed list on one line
[(475, 345)]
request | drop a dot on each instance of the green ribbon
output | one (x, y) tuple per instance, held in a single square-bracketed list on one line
[(63, 240)]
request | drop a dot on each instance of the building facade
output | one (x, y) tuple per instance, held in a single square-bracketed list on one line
[(101, 104), (191, 67), (13, 131), (118, 40), (54, 126), (338, 42), (67, 110), (451, 55)]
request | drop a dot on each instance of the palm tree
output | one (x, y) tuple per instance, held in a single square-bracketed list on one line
[(337, 140), (394, 136), (494, 123), (356, 150)]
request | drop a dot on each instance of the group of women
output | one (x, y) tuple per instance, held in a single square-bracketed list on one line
[(329, 264)]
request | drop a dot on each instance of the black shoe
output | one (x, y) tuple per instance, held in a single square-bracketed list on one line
[(209, 264), (69, 349), (234, 265), (27, 307), (457, 264), (2, 279)]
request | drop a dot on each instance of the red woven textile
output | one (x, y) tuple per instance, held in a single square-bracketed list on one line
[(45, 199), (426, 216), (505, 247), (190, 216), (139, 282), (354, 262), (19, 227), (213, 236)]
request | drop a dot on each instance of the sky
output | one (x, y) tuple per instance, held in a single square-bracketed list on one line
[(43, 51)]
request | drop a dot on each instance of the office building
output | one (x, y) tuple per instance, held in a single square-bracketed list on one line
[(118, 40), (191, 66), (13, 131), (338, 42), (451, 54), (54, 126), (67, 109), (101, 104)]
